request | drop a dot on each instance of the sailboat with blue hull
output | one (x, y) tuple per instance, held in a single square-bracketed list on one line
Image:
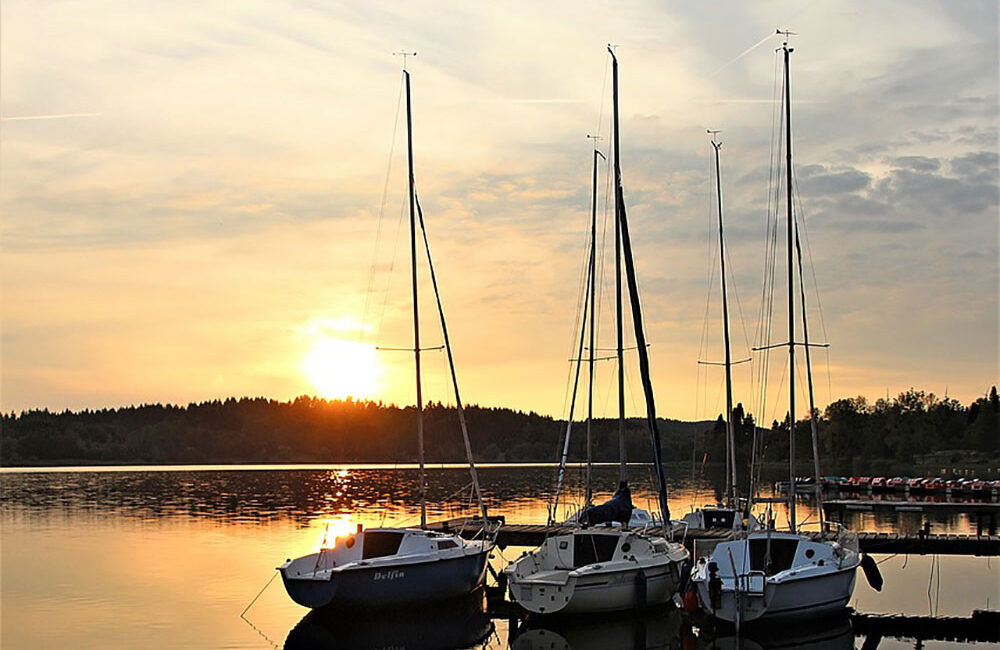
[(385, 567)]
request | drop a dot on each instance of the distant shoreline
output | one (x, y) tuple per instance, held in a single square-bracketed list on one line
[(979, 467), (890, 436)]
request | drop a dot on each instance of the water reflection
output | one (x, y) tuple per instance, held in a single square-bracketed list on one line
[(375, 496), (462, 623), (625, 631), (832, 633), (168, 559)]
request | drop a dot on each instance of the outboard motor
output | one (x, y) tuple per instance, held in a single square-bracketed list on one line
[(640, 589), (685, 577), (714, 586), (872, 574)]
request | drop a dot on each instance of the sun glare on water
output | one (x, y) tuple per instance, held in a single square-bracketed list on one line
[(338, 368)]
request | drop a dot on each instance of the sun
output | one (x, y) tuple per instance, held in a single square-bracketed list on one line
[(338, 368)]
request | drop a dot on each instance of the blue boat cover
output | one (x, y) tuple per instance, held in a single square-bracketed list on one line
[(618, 508)]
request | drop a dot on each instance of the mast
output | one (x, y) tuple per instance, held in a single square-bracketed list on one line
[(791, 295), (619, 311), (593, 295), (416, 310), (451, 367), (809, 382), (621, 228), (590, 292), (590, 356), (730, 436), (553, 510)]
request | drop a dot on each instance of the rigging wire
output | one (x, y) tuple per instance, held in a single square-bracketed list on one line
[(392, 267), (382, 203), (702, 374), (819, 303), (764, 329)]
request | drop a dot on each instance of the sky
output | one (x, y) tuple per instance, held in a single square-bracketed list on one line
[(206, 199)]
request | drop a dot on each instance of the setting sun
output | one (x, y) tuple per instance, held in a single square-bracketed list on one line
[(338, 368)]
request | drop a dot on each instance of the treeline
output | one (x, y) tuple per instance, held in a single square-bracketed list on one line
[(307, 429), (905, 428)]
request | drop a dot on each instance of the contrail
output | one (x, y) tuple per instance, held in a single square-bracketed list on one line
[(25, 118), (761, 41), (743, 53), (542, 101), (740, 100)]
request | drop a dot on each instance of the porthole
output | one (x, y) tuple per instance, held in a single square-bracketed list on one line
[(810, 553), (626, 547)]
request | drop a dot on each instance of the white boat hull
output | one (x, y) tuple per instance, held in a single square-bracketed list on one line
[(641, 572), (814, 579), (813, 597)]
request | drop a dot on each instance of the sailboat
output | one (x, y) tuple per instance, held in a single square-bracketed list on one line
[(727, 515), (769, 574), (605, 568), (381, 567)]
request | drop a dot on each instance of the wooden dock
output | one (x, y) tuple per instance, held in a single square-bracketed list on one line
[(982, 626), (975, 508), (884, 543)]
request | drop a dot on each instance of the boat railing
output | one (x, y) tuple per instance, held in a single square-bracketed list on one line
[(842, 535), (489, 528), (703, 548), (753, 582), (679, 525)]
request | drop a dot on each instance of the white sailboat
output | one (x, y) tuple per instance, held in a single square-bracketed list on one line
[(767, 574), (604, 565), (381, 567)]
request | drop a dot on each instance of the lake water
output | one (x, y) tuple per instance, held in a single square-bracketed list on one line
[(168, 557)]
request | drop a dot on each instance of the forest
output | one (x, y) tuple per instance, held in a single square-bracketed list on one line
[(308, 429)]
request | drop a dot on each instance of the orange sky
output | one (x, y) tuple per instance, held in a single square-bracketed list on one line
[(192, 195)]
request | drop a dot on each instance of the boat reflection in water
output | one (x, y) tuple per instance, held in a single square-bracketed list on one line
[(649, 631), (458, 623), (829, 633)]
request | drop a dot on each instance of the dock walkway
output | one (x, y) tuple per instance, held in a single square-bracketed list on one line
[(883, 543)]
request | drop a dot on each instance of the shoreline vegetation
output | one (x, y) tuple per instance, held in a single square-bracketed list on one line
[(914, 431)]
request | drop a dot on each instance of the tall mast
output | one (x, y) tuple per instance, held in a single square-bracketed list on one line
[(588, 305), (593, 311), (619, 311), (416, 310), (730, 436), (633, 287), (791, 295), (590, 355)]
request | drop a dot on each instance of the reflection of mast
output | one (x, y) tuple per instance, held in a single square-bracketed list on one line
[(730, 436), (621, 230)]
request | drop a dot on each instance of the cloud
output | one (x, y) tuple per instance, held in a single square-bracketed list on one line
[(229, 184)]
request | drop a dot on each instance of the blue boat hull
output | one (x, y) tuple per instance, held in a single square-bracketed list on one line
[(387, 586)]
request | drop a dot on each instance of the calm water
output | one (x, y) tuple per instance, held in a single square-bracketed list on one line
[(170, 557)]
